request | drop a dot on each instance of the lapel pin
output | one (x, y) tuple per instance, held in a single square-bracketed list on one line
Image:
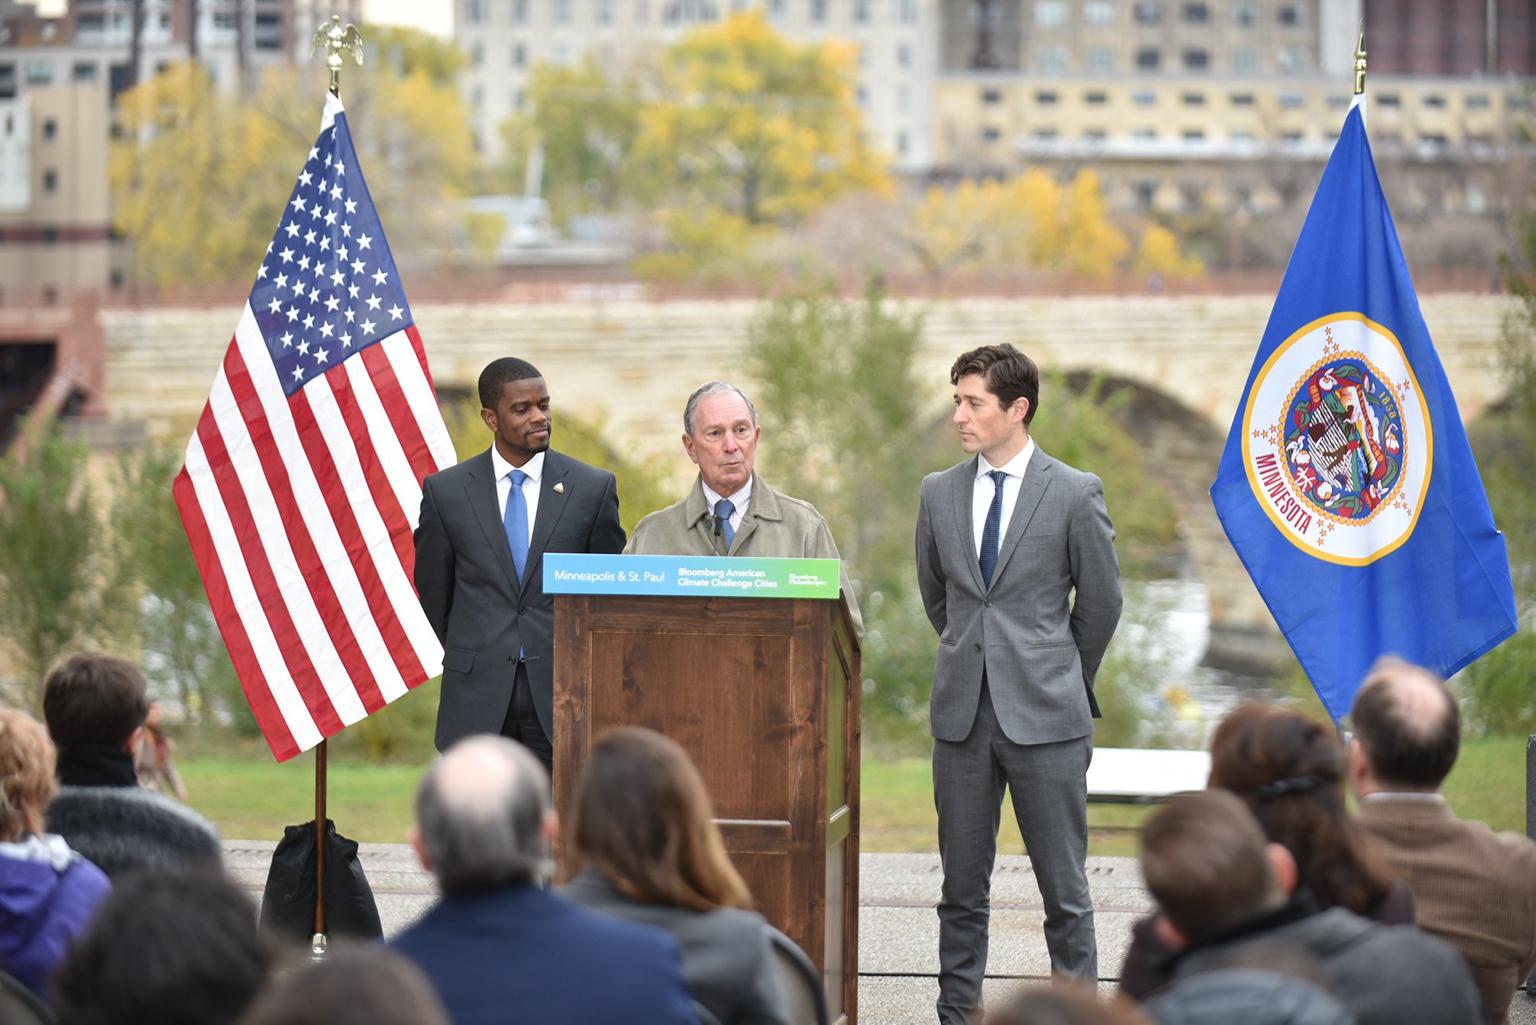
[(560, 488)]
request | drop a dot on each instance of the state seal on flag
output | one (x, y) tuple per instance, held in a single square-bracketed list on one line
[(1337, 440)]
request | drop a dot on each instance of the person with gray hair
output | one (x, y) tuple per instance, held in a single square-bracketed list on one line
[(1474, 888), (730, 510), (498, 947)]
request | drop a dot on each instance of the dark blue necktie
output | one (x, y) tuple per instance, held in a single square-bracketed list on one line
[(723, 511), (989, 533), (515, 520)]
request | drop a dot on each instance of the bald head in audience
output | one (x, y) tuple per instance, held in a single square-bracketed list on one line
[(1407, 730), (483, 817)]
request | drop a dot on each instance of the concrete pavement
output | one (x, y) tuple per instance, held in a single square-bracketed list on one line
[(898, 930)]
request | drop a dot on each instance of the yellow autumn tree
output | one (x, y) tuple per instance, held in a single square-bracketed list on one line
[(1091, 245), (1159, 253), (199, 178), (746, 121)]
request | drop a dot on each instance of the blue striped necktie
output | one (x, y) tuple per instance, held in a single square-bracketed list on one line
[(989, 533), (515, 520), (724, 510)]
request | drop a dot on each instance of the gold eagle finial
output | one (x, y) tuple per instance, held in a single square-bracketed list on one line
[(337, 40)]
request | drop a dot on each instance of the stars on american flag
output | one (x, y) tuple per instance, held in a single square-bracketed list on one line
[(327, 286)]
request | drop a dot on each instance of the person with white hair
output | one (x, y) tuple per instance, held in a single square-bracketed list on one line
[(499, 947)]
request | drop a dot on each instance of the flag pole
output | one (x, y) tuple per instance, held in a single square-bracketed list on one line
[(335, 39)]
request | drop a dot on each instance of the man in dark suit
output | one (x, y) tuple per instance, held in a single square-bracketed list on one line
[(485, 526), (1016, 566), (1472, 887), (499, 948)]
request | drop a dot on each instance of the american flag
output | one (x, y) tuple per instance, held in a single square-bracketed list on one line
[(302, 482)]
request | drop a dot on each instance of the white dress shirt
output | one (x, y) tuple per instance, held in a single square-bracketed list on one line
[(739, 502), (981, 496), (534, 468)]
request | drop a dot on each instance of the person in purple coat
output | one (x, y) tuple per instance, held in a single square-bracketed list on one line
[(48, 893)]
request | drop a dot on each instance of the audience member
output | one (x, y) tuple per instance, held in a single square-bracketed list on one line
[(498, 947), (48, 893), (1254, 984), (1222, 888), (1476, 889), (95, 707), (1289, 770), (646, 848), (156, 762), (352, 986), (1067, 1002), (169, 948)]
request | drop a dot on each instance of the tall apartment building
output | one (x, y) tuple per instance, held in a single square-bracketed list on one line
[(94, 40), (1181, 104), (897, 44)]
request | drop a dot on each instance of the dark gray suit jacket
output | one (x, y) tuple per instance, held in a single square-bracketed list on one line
[(1040, 630), (727, 959), (470, 592)]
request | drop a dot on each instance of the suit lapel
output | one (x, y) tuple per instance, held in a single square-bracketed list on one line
[(480, 489), (1037, 477), (551, 507), (963, 491)]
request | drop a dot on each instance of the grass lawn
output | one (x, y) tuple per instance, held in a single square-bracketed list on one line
[(254, 798)]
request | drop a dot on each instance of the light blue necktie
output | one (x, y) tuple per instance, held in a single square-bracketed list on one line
[(724, 509), (989, 533), (515, 519)]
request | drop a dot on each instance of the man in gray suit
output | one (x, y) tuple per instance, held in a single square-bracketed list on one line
[(485, 526), (1004, 539)]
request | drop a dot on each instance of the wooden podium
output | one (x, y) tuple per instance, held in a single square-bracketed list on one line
[(763, 694)]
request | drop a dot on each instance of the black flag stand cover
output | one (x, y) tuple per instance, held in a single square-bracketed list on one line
[(288, 903)]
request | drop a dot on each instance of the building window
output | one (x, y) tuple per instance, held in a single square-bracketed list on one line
[(1292, 101), (1095, 135), (1193, 99), (1144, 98), (476, 55), (1289, 15), (519, 12), (39, 72), (818, 12), (861, 12), (1049, 13), (562, 12), (605, 12), (50, 128), (1145, 134), (1044, 134), (1338, 101), (906, 13), (50, 180), (1095, 99), (1241, 99), (1197, 60), (474, 11), (861, 95), (991, 133), (903, 55), (1387, 100), (1197, 13), (1245, 15), (901, 143), (1101, 60), (83, 71), (1148, 59), (1099, 12), (1242, 137), (1046, 98), (1434, 101), (519, 55), (1292, 59), (1051, 59), (991, 97), (1476, 101), (518, 99), (1193, 135), (1245, 61), (1148, 12)]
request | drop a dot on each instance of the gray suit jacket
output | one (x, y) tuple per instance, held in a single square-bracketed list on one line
[(727, 959), (470, 591), (1039, 646)]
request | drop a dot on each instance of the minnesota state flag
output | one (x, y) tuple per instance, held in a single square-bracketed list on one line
[(1347, 485)]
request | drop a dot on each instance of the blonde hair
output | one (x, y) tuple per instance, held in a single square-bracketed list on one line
[(26, 774)]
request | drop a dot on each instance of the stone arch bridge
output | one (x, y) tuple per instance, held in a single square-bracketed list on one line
[(633, 362)]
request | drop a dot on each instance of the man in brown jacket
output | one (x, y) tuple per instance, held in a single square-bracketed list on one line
[(730, 510), (1474, 888)]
